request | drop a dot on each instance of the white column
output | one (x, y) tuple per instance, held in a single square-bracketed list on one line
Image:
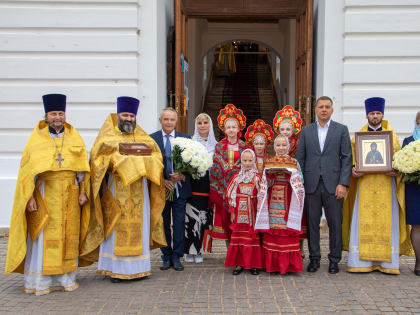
[(329, 52), (155, 17)]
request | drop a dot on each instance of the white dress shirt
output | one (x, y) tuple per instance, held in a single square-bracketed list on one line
[(322, 133)]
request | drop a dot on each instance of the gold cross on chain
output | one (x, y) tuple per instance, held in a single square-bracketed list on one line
[(59, 159)]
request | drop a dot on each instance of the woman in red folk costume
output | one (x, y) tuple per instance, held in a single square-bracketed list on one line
[(288, 122), (244, 250), (226, 162), (258, 137), (280, 209)]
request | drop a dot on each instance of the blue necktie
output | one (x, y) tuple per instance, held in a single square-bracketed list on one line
[(168, 155)]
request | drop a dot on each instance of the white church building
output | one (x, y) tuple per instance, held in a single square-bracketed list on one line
[(96, 50)]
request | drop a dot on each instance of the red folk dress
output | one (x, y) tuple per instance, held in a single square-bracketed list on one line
[(245, 244), (281, 245), (226, 163)]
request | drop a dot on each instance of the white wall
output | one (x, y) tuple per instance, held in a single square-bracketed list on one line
[(91, 50), (370, 48)]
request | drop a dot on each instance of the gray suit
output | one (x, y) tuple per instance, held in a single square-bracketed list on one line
[(322, 172)]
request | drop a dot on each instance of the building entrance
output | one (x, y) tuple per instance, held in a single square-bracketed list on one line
[(266, 41)]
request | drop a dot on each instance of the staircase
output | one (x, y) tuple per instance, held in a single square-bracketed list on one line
[(249, 89)]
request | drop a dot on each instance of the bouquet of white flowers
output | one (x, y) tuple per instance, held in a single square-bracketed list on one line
[(189, 157), (407, 161)]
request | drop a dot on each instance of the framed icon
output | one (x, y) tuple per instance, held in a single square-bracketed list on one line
[(374, 151)]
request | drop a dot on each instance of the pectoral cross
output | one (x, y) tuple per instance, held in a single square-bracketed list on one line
[(59, 159)]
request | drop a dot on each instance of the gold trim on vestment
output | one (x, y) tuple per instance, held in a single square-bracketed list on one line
[(38, 159), (61, 233), (373, 268), (123, 277), (129, 172), (375, 211), (129, 228), (110, 209), (36, 220), (375, 217), (51, 289), (125, 258)]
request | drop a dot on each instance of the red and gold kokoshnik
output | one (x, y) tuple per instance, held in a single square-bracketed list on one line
[(231, 112), (259, 128), (288, 113)]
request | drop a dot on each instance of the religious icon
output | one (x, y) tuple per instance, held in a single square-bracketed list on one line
[(374, 151), (374, 156)]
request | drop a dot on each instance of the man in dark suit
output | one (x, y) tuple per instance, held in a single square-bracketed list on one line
[(325, 156), (181, 184)]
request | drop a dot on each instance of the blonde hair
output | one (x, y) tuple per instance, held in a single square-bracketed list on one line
[(418, 117), (282, 137), (202, 116)]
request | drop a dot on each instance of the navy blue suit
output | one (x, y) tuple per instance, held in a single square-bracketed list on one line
[(176, 207)]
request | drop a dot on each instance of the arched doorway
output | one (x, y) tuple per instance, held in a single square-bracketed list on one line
[(297, 13), (245, 73)]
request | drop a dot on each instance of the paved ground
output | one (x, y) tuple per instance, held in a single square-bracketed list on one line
[(209, 288)]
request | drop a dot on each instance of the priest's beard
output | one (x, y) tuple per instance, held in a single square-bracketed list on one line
[(374, 123), (126, 126)]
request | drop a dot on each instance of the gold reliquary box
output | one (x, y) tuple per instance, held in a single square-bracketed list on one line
[(140, 149), (280, 162)]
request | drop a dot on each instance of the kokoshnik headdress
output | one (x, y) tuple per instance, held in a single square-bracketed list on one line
[(287, 113), (259, 128), (230, 112)]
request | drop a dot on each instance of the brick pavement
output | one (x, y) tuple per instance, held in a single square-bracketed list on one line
[(209, 288)]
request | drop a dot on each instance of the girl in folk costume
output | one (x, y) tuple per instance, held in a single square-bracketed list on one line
[(226, 162), (280, 209), (259, 136), (198, 216), (241, 196), (288, 122)]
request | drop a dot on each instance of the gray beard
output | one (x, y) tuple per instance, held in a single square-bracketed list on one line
[(126, 126)]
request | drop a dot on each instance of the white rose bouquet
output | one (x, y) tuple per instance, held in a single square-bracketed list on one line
[(189, 157), (407, 161)]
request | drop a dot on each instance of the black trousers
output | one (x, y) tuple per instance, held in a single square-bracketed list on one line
[(334, 213), (176, 235)]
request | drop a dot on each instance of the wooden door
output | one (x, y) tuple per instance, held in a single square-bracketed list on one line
[(304, 44), (181, 50)]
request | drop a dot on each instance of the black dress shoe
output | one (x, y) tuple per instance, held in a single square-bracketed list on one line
[(177, 264), (417, 272), (238, 271), (254, 272), (333, 268), (313, 265), (166, 264), (115, 280)]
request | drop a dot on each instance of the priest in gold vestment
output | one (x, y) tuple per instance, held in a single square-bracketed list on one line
[(52, 185), (128, 196), (374, 228)]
